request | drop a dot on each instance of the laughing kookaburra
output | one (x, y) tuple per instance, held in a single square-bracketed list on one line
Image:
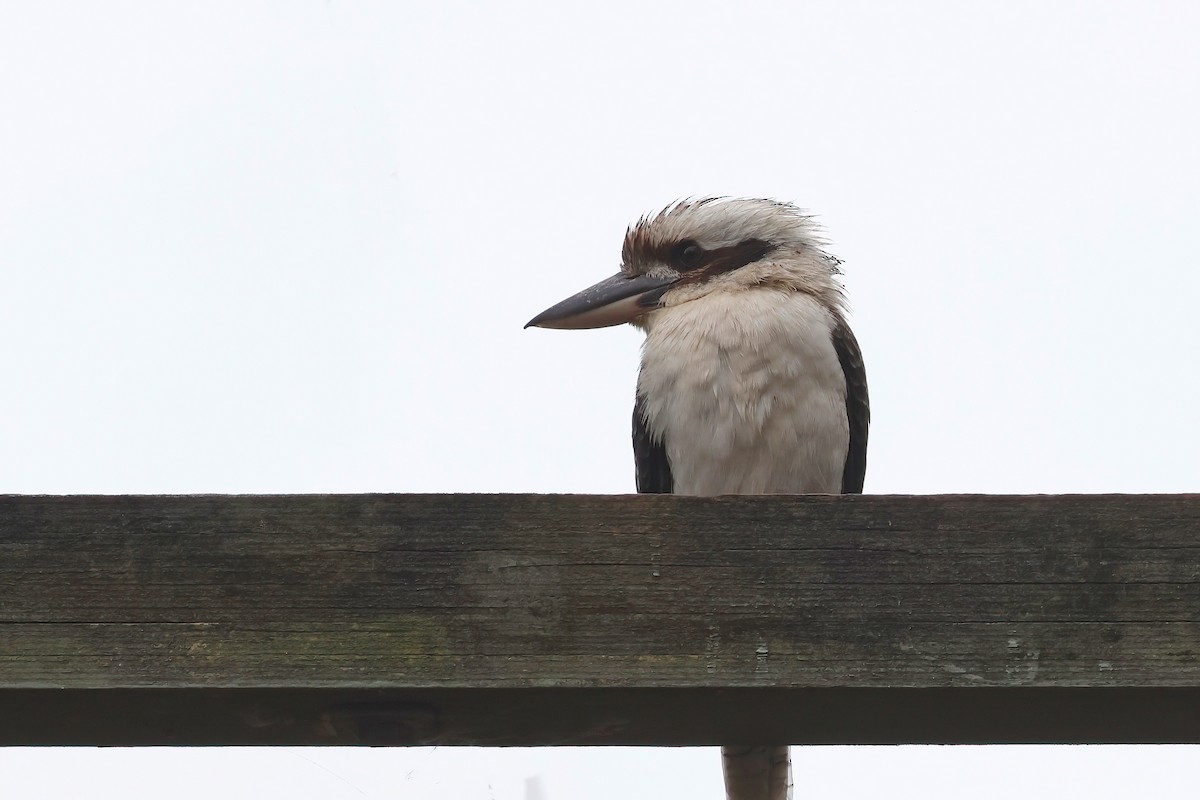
[(751, 382)]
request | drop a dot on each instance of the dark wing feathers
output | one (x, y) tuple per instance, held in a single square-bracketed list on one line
[(650, 457), (858, 409)]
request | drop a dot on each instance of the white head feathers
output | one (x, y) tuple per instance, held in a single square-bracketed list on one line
[(732, 244)]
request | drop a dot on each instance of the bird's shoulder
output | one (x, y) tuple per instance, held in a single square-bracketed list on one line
[(858, 406), (653, 470)]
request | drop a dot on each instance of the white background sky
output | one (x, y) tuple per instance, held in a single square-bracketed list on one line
[(289, 247)]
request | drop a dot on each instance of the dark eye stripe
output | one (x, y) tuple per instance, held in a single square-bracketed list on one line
[(689, 258), (727, 259)]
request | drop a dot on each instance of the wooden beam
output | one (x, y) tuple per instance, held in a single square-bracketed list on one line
[(525, 619)]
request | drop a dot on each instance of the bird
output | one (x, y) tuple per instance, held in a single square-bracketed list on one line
[(751, 381)]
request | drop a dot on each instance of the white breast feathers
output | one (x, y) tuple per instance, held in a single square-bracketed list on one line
[(746, 392)]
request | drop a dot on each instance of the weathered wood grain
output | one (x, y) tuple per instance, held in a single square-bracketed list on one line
[(523, 619)]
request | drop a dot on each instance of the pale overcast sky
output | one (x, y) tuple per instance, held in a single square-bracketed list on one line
[(289, 247)]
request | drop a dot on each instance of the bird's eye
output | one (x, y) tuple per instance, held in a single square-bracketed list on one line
[(688, 254)]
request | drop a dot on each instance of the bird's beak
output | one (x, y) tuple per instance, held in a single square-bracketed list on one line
[(612, 301)]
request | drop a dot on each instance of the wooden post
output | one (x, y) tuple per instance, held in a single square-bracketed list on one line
[(546, 620)]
